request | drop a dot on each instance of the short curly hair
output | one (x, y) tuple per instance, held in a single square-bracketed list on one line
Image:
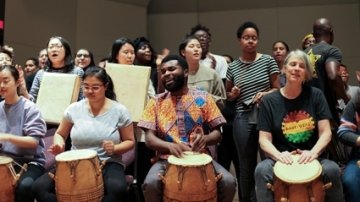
[(246, 25), (199, 27)]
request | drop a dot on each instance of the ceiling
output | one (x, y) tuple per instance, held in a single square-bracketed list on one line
[(181, 6)]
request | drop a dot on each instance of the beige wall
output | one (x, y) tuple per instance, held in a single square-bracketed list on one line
[(95, 24), (287, 24)]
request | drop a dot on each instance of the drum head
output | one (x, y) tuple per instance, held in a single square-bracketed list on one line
[(190, 159), (5, 160), (76, 155), (297, 173)]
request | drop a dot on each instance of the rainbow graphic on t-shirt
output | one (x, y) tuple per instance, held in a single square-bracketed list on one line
[(298, 126)]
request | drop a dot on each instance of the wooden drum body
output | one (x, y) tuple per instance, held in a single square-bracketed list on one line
[(190, 178), (78, 176), (298, 182), (7, 179)]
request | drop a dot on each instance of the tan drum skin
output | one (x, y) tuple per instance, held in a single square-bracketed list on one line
[(298, 182)]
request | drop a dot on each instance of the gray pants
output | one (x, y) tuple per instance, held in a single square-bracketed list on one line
[(330, 173), (153, 186)]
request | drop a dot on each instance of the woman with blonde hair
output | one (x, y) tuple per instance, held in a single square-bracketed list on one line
[(307, 41)]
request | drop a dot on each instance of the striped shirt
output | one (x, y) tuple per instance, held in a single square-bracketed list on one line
[(251, 78)]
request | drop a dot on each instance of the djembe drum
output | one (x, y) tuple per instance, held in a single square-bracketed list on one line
[(8, 179), (190, 178), (298, 182), (78, 176)]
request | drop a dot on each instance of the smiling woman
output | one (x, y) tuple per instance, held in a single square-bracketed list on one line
[(295, 120), (84, 59)]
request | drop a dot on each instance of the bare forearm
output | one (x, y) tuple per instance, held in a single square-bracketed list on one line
[(214, 137), (156, 143), (269, 149), (124, 146), (26, 142), (322, 142), (58, 139)]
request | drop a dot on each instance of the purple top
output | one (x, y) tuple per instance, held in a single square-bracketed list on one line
[(23, 119)]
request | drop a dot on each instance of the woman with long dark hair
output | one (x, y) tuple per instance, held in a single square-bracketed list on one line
[(21, 133), (100, 123)]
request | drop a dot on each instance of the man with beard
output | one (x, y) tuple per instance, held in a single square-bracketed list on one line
[(181, 119)]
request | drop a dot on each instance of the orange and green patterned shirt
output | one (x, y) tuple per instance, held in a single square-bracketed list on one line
[(174, 118)]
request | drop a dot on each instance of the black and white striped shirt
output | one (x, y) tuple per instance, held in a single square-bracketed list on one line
[(251, 78)]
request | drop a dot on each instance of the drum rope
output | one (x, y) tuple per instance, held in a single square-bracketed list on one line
[(73, 165), (181, 173), (97, 171), (12, 170), (310, 191), (204, 177)]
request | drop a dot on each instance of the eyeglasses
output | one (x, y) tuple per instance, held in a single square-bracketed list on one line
[(93, 88), (247, 38), (205, 36), (55, 46), (82, 55)]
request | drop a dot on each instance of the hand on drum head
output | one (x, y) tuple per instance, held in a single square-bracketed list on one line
[(306, 156), (56, 149), (285, 157), (177, 149)]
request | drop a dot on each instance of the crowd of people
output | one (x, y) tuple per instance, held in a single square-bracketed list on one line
[(253, 112)]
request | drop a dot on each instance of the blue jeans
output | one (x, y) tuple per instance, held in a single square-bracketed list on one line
[(246, 139), (351, 181), (330, 173)]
